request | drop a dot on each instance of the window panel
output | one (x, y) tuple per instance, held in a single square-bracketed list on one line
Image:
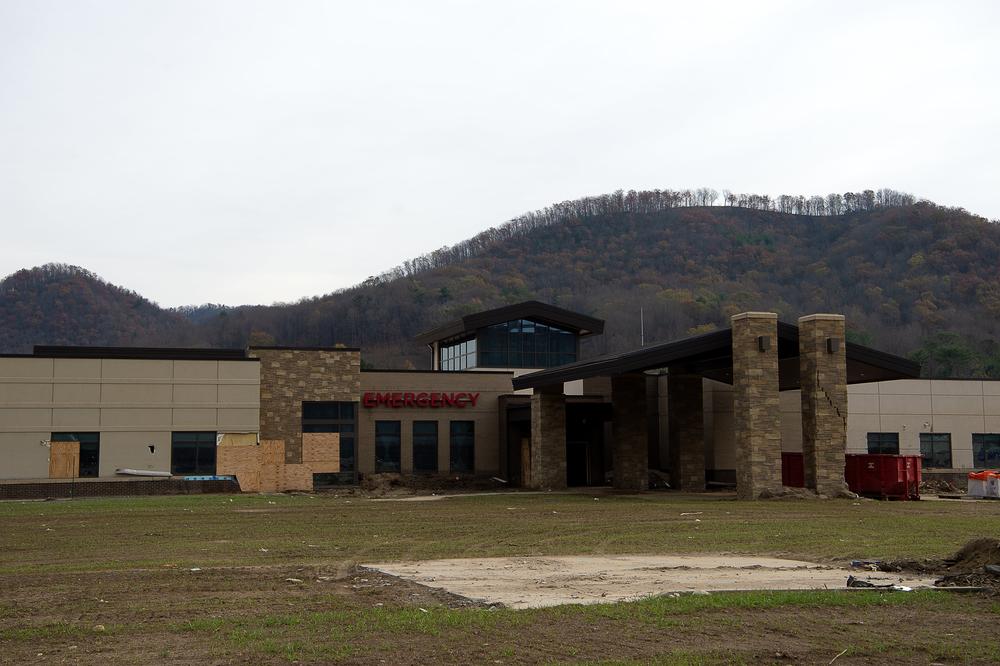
[(883, 442), (425, 446), (334, 416), (935, 450), (986, 450), (90, 451), (192, 453), (462, 448), (387, 446)]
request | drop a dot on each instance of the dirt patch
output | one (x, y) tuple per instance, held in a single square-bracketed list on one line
[(538, 582), (974, 565)]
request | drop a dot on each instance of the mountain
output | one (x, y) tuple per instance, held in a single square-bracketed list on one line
[(65, 305), (912, 277)]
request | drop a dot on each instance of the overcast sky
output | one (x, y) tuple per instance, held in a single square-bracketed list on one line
[(252, 152)]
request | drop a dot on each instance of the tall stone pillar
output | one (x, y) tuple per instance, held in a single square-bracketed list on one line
[(823, 376), (755, 404), (548, 438), (687, 431), (630, 432)]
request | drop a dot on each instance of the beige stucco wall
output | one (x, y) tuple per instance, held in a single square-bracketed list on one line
[(489, 385), (132, 403), (907, 406)]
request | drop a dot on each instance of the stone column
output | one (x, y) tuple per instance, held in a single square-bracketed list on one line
[(755, 404), (631, 436), (548, 438), (687, 431), (823, 376)]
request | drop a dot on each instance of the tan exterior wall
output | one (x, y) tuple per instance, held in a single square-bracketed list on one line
[(132, 403), (959, 407), (485, 414)]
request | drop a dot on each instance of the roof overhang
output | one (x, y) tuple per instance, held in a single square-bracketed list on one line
[(543, 313), (711, 355)]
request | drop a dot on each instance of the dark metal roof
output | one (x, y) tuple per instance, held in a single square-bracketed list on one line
[(711, 356), (541, 312), (159, 353), (308, 349)]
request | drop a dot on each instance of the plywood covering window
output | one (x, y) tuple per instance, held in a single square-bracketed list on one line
[(340, 417), (935, 449), (90, 451), (883, 442), (462, 454), (192, 453), (387, 446), (425, 446)]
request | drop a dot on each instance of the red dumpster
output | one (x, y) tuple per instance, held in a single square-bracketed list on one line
[(883, 476), (793, 471)]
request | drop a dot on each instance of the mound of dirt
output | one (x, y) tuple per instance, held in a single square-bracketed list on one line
[(972, 566)]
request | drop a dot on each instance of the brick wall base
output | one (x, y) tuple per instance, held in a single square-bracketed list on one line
[(47, 489)]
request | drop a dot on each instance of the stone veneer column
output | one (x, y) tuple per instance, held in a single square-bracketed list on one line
[(755, 405), (823, 377), (685, 412), (629, 430), (548, 438), (290, 376)]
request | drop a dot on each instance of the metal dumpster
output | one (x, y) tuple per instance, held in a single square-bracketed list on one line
[(793, 471), (883, 476)]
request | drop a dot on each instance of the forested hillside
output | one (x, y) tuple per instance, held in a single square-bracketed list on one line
[(912, 277), (66, 305)]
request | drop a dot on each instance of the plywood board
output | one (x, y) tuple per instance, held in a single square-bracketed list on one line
[(64, 460), (242, 461), (238, 439), (321, 447), (297, 477)]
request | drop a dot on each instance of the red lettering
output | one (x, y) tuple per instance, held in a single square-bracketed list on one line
[(436, 400)]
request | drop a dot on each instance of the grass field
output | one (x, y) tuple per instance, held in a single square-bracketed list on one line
[(111, 581)]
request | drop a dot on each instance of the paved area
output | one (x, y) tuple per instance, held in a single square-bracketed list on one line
[(535, 582)]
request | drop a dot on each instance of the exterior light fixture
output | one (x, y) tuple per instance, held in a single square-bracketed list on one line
[(763, 343), (832, 345)]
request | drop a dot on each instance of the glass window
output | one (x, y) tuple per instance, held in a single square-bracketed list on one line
[(192, 453), (986, 450), (935, 448), (523, 343), (462, 452), (883, 442), (90, 450), (334, 417), (425, 446), (458, 355), (387, 446)]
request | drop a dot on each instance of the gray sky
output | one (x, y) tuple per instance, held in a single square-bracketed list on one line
[(251, 152)]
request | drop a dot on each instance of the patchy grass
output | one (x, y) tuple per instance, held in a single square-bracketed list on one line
[(88, 535), (125, 563)]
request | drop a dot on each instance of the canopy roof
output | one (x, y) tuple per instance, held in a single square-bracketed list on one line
[(711, 355), (542, 313)]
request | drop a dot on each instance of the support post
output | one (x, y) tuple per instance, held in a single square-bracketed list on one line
[(823, 377), (630, 432), (548, 438), (755, 404), (687, 431)]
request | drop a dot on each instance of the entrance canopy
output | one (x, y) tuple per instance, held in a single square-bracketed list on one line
[(711, 355)]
